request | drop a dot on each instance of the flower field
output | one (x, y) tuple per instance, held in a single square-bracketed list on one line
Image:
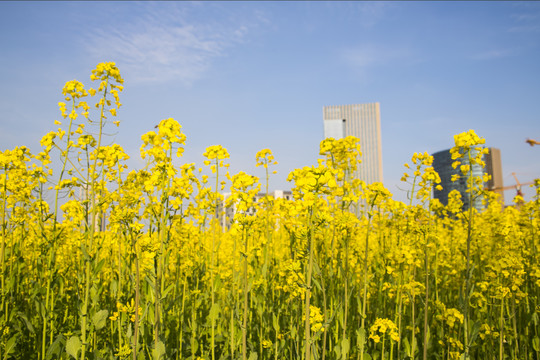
[(140, 264)]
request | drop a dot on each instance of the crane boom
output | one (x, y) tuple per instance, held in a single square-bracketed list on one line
[(517, 186), (510, 186)]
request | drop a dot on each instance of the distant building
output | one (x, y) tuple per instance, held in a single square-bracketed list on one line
[(364, 122), (494, 168), (227, 216), (100, 222), (442, 163)]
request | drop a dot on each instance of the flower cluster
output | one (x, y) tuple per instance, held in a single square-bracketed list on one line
[(383, 327)]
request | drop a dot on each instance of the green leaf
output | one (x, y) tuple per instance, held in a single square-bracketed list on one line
[(260, 309), (361, 337), (167, 291), (159, 350), (407, 346), (275, 322), (217, 283), (314, 352), (85, 253), (264, 269), (114, 286), (536, 343), (10, 346), (99, 266), (150, 317), (28, 324), (253, 356), (535, 318), (337, 350), (428, 338), (100, 319), (316, 268), (317, 284), (54, 351), (345, 346), (214, 312), (475, 329), (73, 345)]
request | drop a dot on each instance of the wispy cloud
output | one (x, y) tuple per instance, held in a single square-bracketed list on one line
[(526, 21), (367, 14), (524, 17), (163, 43), (493, 54), (365, 56), (525, 29), (371, 13)]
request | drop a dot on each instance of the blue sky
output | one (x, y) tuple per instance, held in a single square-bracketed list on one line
[(253, 75)]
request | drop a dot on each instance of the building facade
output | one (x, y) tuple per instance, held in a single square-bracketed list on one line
[(227, 213), (364, 122), (442, 164), (494, 168)]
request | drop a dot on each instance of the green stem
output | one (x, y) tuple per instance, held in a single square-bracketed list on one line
[(413, 335), (3, 250), (308, 286), (52, 250), (244, 323), (468, 270), (426, 305), (501, 330), (92, 228), (346, 287), (364, 295), (212, 262), (137, 298), (514, 323)]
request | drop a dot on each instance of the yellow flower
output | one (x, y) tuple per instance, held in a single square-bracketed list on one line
[(382, 327), (315, 319), (375, 338)]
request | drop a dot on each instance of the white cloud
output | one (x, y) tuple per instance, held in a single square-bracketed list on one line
[(163, 44), (371, 13), (526, 21), (365, 56), (367, 14), (493, 54), (525, 29), (524, 17)]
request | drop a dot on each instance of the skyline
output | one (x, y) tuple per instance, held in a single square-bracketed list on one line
[(257, 75)]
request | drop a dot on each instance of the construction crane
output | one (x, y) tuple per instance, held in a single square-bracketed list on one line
[(517, 186), (532, 142)]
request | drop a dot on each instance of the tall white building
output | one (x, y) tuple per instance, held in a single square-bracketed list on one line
[(364, 122), (228, 212)]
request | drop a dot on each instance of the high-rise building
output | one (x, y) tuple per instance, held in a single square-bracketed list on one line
[(442, 163), (494, 168), (227, 213), (364, 122)]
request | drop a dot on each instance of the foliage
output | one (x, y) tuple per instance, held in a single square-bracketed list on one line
[(98, 262)]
